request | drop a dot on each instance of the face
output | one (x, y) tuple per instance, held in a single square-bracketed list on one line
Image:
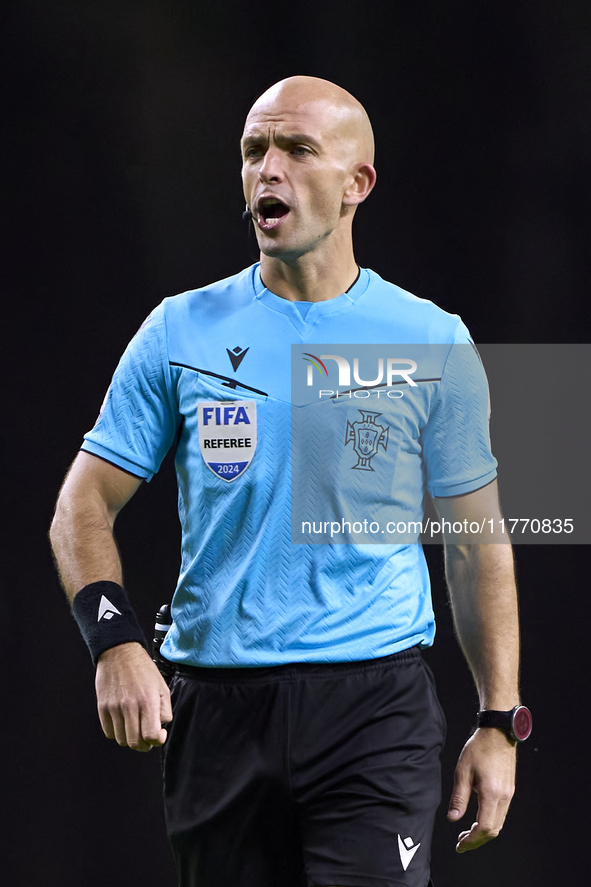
[(296, 168)]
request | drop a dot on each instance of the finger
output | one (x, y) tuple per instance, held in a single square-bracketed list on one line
[(460, 794), (119, 727), (152, 731), (491, 821), (106, 722), (462, 846), (127, 726), (502, 810), (165, 708), (476, 837), (487, 826), (113, 723)]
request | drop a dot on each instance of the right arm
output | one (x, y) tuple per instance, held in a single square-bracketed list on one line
[(132, 696)]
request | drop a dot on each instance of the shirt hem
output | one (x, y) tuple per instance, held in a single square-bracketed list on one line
[(439, 491), (115, 459)]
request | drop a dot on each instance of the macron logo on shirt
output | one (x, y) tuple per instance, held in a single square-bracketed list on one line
[(236, 356), (106, 609)]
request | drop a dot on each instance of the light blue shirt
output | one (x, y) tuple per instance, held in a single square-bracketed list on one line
[(246, 594)]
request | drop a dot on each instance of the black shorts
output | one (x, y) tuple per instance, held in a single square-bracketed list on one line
[(304, 775)]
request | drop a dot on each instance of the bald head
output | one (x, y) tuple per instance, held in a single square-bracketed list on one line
[(307, 164), (341, 115)]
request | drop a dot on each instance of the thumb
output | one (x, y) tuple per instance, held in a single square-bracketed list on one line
[(460, 794), (165, 708)]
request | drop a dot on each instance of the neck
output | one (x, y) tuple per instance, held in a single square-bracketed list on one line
[(309, 278)]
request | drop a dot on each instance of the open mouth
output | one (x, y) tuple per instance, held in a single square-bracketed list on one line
[(270, 212)]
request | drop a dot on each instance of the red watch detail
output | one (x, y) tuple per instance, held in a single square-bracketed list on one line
[(522, 722)]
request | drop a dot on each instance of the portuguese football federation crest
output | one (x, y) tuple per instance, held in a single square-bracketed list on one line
[(367, 436)]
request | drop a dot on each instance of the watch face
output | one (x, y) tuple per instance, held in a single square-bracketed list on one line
[(522, 723)]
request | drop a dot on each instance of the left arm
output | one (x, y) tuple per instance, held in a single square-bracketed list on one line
[(483, 596)]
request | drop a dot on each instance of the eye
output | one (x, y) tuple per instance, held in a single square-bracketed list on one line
[(252, 152), (301, 150)]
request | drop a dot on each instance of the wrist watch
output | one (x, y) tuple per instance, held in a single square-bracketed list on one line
[(516, 723)]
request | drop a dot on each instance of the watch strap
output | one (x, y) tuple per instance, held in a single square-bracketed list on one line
[(491, 718)]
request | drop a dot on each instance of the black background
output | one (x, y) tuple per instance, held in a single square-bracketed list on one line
[(121, 185)]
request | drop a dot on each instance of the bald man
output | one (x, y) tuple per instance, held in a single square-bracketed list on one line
[(305, 742)]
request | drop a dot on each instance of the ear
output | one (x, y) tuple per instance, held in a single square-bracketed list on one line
[(362, 179)]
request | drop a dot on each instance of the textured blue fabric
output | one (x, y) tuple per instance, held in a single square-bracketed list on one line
[(247, 596)]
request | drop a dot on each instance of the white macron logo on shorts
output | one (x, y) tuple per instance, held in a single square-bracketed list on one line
[(407, 849)]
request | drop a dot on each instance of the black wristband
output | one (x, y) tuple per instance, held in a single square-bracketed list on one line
[(106, 618)]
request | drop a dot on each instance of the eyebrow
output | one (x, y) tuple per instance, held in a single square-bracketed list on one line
[(295, 138)]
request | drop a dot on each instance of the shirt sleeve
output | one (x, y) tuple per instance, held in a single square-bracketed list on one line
[(139, 417), (456, 439)]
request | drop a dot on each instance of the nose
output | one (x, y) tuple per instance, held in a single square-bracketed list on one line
[(271, 169)]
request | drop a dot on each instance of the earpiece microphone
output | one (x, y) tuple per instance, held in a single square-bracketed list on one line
[(247, 215)]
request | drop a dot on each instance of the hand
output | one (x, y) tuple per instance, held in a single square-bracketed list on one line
[(487, 766), (132, 697)]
